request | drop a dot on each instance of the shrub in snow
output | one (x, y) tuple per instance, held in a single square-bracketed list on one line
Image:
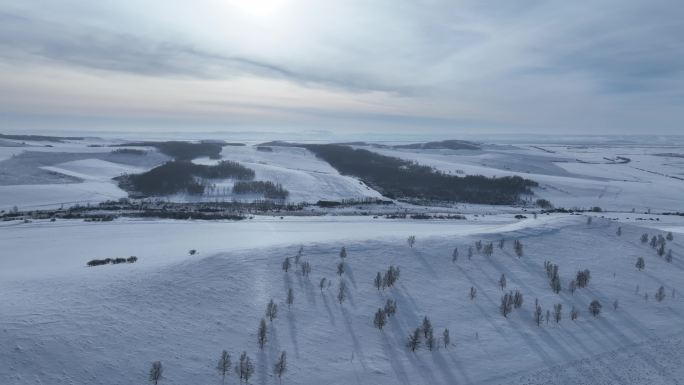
[(669, 236), (192, 252), (644, 238), (426, 326), (595, 308), (343, 253), (660, 294), (640, 263), (557, 312), (502, 282), (286, 264), (306, 268), (341, 293), (445, 338), (411, 240), (340, 268), (668, 256), (132, 259), (454, 255)]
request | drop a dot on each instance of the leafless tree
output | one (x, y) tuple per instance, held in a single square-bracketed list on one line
[(271, 310), (224, 365), (280, 366), (156, 372), (261, 334)]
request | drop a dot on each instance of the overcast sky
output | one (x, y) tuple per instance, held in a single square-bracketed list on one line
[(350, 66)]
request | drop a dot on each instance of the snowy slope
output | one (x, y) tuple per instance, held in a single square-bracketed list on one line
[(574, 176), (104, 325)]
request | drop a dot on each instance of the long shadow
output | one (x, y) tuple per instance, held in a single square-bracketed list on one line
[(395, 361), (292, 323), (352, 334), (443, 367), (424, 262), (349, 273), (331, 316)]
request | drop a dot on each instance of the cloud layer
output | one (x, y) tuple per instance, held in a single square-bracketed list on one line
[(440, 67)]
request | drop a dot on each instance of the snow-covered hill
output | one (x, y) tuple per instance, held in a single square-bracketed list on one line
[(64, 323)]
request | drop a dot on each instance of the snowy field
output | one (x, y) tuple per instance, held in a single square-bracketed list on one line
[(33, 175), (64, 323), (575, 176)]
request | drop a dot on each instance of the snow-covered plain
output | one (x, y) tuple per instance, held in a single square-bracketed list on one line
[(64, 323)]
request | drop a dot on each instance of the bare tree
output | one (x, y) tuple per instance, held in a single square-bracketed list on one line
[(224, 365), (454, 255), (380, 318), (538, 315), (445, 338), (343, 253), (322, 284), (299, 254), (245, 368), (341, 294), (261, 334), (488, 249), (390, 307), (557, 312), (426, 326), (306, 268), (377, 282), (411, 240), (340, 268), (156, 372), (574, 313), (286, 264), (502, 282), (280, 366), (290, 297), (644, 238), (478, 246), (430, 340), (506, 305), (414, 340), (518, 248), (271, 310)]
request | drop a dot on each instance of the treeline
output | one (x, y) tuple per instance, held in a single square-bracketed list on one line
[(181, 150), (399, 178), (181, 176), (267, 188)]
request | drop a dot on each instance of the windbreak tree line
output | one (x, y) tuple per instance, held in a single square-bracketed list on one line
[(401, 178)]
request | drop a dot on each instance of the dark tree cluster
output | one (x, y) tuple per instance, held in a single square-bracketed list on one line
[(583, 277), (400, 178), (552, 274), (509, 301), (181, 176), (388, 279), (268, 189), (181, 150), (113, 261)]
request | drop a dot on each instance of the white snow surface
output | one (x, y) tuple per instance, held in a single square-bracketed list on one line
[(64, 323)]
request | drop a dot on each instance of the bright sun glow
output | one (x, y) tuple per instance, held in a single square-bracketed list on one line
[(260, 8)]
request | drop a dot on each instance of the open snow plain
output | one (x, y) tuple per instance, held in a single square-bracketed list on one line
[(64, 323)]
